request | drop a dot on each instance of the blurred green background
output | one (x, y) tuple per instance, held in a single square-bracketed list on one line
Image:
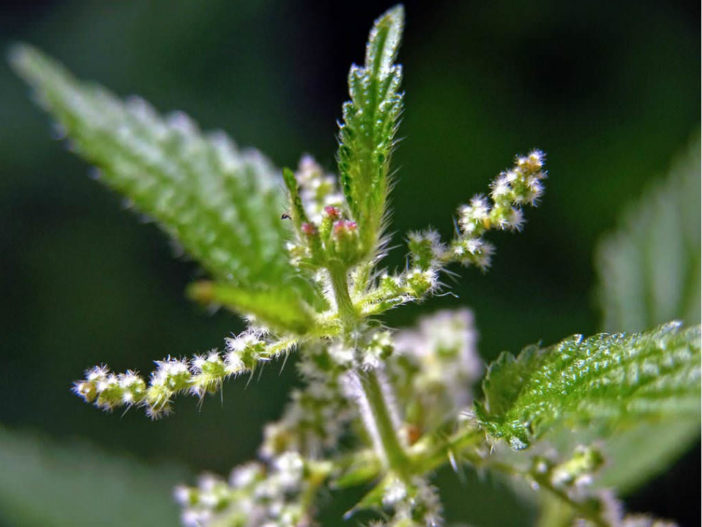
[(610, 90)]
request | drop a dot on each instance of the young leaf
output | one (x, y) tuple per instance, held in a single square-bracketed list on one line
[(370, 120), (44, 484), (604, 378), (649, 268), (222, 204)]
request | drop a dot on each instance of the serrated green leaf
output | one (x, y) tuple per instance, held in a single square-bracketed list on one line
[(45, 484), (370, 119), (282, 310), (649, 268), (221, 203), (639, 452), (649, 272), (605, 378)]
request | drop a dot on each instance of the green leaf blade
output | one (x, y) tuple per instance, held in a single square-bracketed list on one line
[(221, 203), (649, 267), (50, 484), (649, 272), (605, 378), (367, 134), (281, 310)]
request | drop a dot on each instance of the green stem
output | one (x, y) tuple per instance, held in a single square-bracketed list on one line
[(379, 421), (393, 452), (344, 304), (427, 457)]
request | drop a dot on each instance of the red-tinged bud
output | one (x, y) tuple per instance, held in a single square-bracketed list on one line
[(346, 241), (332, 212), (308, 229), (342, 227)]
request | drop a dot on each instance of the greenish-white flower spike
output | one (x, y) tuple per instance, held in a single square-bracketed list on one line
[(318, 413), (198, 376), (271, 495), (513, 189)]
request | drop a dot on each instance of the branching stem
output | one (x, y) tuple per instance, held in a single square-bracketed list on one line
[(380, 413)]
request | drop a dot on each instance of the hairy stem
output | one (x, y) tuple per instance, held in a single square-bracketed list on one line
[(382, 423), (344, 304), (377, 413)]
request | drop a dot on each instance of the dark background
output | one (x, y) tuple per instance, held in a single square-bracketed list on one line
[(610, 90)]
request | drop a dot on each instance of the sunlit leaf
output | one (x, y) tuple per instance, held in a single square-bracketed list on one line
[(604, 378), (370, 119), (221, 203)]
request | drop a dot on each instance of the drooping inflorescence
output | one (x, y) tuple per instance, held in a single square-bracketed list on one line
[(512, 190), (197, 376)]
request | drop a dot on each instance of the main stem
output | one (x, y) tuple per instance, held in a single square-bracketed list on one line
[(344, 304), (379, 422), (383, 424)]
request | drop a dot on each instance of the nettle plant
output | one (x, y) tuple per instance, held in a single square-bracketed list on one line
[(299, 257)]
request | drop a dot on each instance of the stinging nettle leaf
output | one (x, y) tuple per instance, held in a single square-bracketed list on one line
[(370, 119), (280, 309), (649, 272), (221, 203), (605, 378), (49, 484), (649, 268)]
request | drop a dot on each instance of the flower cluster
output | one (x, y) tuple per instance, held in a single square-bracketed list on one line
[(393, 290), (435, 367), (510, 191), (325, 235), (318, 190), (572, 480), (197, 376), (411, 504), (317, 414), (571, 476), (256, 495), (514, 188), (428, 255)]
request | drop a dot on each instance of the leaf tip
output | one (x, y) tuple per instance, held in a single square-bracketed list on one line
[(384, 38)]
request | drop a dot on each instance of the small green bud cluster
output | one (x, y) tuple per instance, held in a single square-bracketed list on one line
[(570, 476), (198, 376), (318, 190), (256, 494), (426, 249), (571, 480), (411, 504), (326, 237), (397, 289), (370, 349), (512, 189)]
